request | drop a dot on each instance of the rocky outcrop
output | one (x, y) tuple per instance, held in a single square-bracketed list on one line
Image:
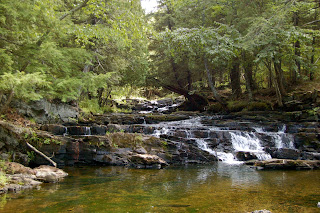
[(43, 111), (288, 164), (20, 177)]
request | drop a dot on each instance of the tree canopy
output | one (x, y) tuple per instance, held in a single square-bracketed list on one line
[(75, 50)]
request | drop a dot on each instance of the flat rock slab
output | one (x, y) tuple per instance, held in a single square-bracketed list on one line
[(288, 164), (20, 177), (147, 160)]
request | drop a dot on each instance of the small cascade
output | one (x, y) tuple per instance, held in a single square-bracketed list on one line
[(87, 131), (224, 143), (280, 138), (65, 131), (248, 142)]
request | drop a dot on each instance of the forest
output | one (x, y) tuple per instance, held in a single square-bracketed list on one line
[(89, 52)]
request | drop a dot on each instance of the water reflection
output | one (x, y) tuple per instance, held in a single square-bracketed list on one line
[(212, 188)]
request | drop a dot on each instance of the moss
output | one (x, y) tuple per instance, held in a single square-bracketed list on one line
[(3, 179), (215, 108), (237, 106), (258, 106), (125, 140)]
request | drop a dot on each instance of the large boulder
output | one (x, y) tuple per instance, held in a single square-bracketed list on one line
[(147, 161), (17, 168), (49, 174), (285, 153)]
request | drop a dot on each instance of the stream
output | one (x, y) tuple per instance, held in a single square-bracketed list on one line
[(219, 187), (223, 186)]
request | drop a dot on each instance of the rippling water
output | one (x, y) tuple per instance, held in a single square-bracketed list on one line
[(211, 188)]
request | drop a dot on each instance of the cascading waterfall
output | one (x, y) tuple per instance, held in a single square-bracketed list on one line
[(248, 142), (241, 141), (280, 138)]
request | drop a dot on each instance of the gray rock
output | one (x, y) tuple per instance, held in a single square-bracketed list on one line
[(45, 112), (49, 174), (54, 129), (262, 211), (141, 150), (149, 161), (285, 153)]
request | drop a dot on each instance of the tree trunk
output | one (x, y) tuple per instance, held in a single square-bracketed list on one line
[(296, 72), (278, 93), (235, 78), (248, 70), (312, 58), (279, 76), (198, 102), (7, 103), (268, 64), (212, 87)]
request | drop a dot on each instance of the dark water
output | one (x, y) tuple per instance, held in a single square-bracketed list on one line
[(214, 188)]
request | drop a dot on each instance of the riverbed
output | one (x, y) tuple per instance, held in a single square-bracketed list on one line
[(218, 187)]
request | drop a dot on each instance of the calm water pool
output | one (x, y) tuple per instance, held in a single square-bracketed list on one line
[(211, 188)]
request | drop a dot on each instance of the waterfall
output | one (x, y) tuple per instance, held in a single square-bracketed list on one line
[(226, 143), (280, 138), (248, 142), (87, 131), (65, 131)]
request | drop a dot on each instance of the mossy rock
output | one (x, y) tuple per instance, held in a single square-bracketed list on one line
[(237, 106), (215, 108), (258, 106)]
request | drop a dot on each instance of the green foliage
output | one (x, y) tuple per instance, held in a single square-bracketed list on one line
[(46, 54), (3, 179), (31, 155), (38, 140)]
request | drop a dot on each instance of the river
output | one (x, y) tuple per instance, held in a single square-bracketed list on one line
[(219, 187)]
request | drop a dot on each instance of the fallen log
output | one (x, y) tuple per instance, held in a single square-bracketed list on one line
[(43, 155)]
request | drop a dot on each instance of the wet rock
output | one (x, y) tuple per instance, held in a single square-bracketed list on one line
[(141, 150), (79, 130), (200, 134), (49, 174), (113, 128), (148, 161), (141, 129), (285, 153), (98, 130), (54, 129), (318, 205), (288, 164), (245, 156), (310, 156)]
